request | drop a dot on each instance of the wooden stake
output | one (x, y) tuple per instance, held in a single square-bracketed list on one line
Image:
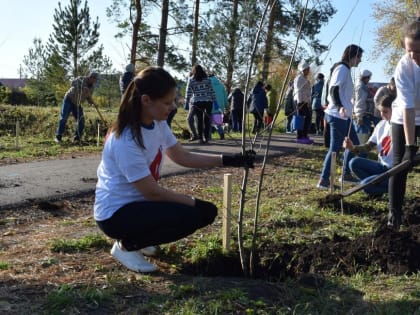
[(332, 171), (17, 135), (99, 128), (227, 205)]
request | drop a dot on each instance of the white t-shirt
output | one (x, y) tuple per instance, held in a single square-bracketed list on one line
[(381, 136), (124, 162), (341, 77), (407, 81)]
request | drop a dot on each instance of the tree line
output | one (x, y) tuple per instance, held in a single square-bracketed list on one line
[(218, 34)]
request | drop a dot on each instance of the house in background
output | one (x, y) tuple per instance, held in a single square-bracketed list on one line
[(13, 84)]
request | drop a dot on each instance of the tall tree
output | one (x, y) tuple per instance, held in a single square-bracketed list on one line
[(269, 38), (135, 18), (163, 31), (74, 35), (195, 33), (391, 15), (282, 24), (37, 88), (146, 49), (35, 61), (232, 43)]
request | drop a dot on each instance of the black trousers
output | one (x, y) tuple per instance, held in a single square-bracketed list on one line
[(397, 183), (141, 224), (304, 110), (202, 110)]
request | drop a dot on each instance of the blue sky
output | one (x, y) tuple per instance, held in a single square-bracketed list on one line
[(22, 21)]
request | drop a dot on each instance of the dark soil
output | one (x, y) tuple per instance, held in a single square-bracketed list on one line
[(26, 234), (385, 250)]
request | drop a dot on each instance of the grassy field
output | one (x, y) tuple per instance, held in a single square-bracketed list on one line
[(311, 258)]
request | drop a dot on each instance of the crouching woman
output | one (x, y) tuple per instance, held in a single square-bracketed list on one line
[(130, 206)]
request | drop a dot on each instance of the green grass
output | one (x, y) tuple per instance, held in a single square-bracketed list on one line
[(288, 214), (96, 241), (4, 265), (37, 127), (67, 297)]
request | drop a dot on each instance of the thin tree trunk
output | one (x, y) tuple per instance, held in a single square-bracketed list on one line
[(232, 45), (269, 41), (242, 254), (195, 33), (162, 33), (136, 27), (260, 182)]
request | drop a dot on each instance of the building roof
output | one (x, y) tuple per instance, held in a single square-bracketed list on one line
[(13, 83)]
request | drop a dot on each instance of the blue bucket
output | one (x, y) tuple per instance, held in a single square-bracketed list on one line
[(298, 122)]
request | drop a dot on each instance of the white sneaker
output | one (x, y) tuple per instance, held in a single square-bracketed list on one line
[(149, 251), (133, 260)]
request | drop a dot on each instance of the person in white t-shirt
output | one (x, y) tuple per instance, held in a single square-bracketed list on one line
[(130, 206), (366, 169), (339, 112), (405, 119)]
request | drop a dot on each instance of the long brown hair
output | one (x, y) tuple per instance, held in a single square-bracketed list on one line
[(152, 81), (350, 52)]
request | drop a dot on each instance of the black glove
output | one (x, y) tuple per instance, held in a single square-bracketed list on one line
[(410, 153), (240, 160)]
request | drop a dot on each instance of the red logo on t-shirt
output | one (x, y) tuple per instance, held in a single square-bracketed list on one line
[(386, 146), (154, 167)]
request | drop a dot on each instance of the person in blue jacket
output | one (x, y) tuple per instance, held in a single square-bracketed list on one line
[(257, 103), (316, 103)]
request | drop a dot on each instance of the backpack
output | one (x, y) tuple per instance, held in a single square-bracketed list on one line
[(326, 87)]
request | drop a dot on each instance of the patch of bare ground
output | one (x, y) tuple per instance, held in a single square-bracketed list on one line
[(35, 270)]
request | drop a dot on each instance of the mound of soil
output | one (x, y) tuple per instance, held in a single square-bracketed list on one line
[(384, 250)]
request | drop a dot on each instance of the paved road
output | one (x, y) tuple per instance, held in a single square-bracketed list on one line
[(24, 183)]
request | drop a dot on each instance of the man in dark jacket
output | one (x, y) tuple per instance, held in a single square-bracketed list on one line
[(236, 100), (127, 77), (257, 103)]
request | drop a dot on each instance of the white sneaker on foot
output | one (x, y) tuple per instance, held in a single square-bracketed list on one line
[(149, 251), (133, 260)]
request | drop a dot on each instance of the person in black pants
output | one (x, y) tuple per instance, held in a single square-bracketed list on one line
[(130, 206), (405, 119)]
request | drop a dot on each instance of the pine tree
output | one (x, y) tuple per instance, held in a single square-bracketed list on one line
[(74, 35)]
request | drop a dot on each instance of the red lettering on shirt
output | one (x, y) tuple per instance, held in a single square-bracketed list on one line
[(154, 167)]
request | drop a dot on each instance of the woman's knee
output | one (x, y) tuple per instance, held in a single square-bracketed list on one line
[(208, 211)]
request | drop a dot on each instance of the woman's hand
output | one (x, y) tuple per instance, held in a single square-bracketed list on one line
[(343, 112), (348, 144)]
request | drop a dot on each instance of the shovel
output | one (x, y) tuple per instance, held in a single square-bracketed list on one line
[(391, 172)]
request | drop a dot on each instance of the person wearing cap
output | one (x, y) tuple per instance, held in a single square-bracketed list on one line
[(81, 90), (364, 107), (302, 98), (127, 77), (339, 111)]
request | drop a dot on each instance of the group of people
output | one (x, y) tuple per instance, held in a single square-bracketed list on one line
[(139, 214), (302, 101), (394, 137)]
